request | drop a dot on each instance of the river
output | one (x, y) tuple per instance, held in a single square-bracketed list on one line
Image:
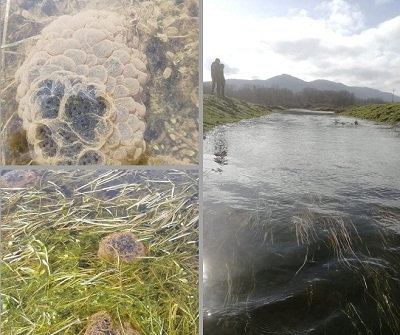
[(302, 226)]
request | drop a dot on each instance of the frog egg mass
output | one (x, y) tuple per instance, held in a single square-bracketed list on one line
[(81, 92)]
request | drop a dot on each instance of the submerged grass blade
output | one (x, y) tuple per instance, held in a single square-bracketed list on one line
[(52, 279)]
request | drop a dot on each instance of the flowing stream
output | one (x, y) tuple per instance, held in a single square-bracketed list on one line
[(302, 226)]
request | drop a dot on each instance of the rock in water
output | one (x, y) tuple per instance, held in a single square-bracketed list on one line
[(81, 92)]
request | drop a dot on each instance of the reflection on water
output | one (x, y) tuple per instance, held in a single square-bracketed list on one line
[(220, 150), (221, 153), (301, 228)]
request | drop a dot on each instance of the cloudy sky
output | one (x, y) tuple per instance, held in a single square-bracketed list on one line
[(355, 42)]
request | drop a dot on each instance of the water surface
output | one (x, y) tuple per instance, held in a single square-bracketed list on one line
[(301, 226)]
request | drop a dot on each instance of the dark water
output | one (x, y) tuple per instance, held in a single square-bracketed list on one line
[(302, 226)]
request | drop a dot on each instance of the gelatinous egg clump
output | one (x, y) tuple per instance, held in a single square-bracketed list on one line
[(121, 246), (81, 92)]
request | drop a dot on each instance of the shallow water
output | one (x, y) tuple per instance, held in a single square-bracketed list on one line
[(51, 233), (301, 226), (170, 43)]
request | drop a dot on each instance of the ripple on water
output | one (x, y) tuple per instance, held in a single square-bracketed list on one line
[(301, 227)]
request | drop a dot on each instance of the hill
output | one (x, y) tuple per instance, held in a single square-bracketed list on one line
[(220, 110), (294, 84)]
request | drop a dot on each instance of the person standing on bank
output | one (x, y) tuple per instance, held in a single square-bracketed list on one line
[(215, 74), (221, 80)]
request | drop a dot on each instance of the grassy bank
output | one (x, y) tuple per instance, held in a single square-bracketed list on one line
[(389, 113), (220, 110)]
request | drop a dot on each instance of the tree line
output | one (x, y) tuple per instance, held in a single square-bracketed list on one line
[(307, 98)]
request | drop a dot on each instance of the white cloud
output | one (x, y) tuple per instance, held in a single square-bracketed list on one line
[(298, 12), (341, 16)]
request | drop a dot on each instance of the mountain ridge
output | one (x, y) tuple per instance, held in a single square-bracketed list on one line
[(286, 81)]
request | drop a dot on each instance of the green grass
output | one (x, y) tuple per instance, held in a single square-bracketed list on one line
[(219, 110), (389, 113), (51, 277)]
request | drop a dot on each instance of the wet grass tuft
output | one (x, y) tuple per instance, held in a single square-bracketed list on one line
[(375, 273)]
